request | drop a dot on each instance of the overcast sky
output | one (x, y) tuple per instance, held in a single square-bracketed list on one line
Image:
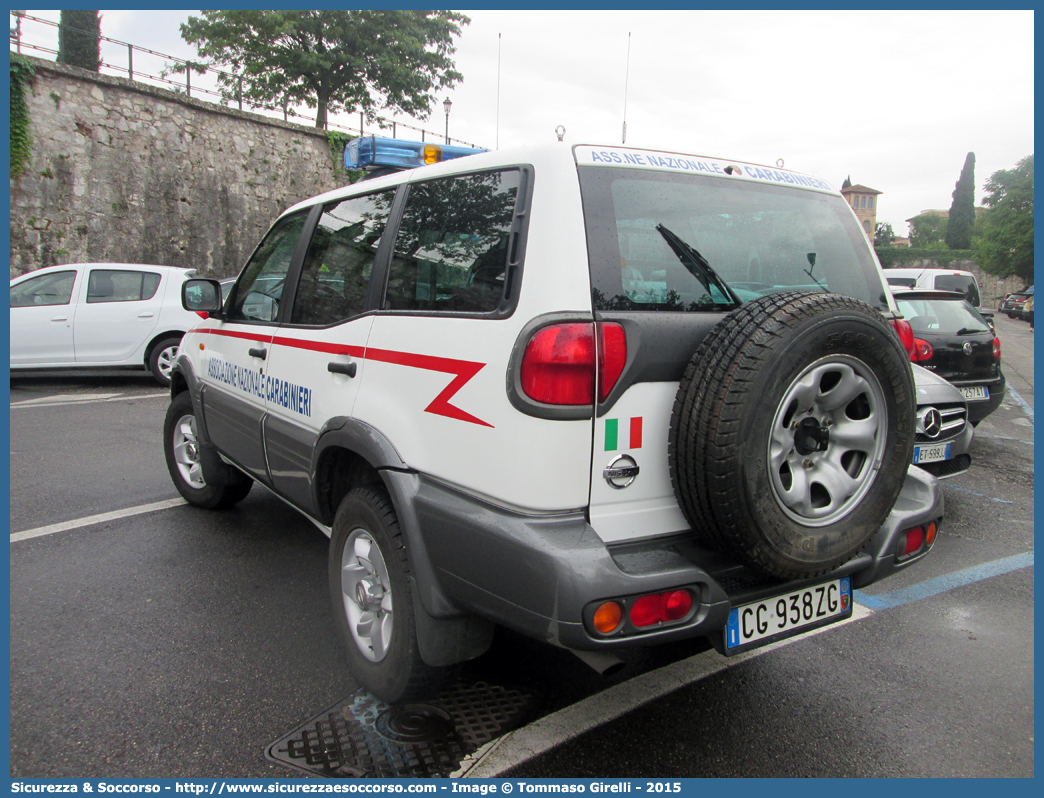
[(896, 99)]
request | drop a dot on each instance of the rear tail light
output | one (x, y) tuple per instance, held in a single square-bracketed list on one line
[(996, 349), (612, 356), (922, 351), (905, 331), (558, 366)]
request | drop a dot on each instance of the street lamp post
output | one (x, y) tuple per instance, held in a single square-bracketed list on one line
[(447, 104)]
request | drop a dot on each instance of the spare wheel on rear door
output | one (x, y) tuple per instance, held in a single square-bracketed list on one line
[(792, 432)]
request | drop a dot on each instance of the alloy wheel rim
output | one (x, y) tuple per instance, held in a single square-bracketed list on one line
[(827, 440), (366, 594), (186, 451)]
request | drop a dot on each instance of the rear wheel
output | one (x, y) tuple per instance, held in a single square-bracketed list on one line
[(181, 448), (372, 601), (792, 432)]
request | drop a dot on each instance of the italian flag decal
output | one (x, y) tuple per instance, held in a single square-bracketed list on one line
[(623, 434)]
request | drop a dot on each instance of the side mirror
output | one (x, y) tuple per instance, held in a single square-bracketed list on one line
[(201, 296)]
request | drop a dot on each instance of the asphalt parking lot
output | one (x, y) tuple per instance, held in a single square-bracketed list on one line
[(170, 641)]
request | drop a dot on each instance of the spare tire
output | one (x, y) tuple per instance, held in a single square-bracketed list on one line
[(792, 432)]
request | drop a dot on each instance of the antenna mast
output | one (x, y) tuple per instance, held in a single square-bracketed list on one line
[(498, 91), (627, 73)]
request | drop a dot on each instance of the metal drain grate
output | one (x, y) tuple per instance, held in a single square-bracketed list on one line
[(362, 736)]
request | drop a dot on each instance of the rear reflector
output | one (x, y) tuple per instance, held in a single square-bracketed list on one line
[(661, 608), (607, 617), (929, 537)]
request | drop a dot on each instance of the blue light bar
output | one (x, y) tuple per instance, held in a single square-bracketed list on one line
[(373, 152)]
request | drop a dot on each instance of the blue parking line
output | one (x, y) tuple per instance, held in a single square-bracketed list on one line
[(942, 584), (1026, 406), (982, 495)]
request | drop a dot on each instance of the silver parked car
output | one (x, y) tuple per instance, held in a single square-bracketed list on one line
[(944, 435)]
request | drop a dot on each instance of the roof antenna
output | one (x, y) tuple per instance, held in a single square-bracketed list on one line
[(560, 132), (627, 72)]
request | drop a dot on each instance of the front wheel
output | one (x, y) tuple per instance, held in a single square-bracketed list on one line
[(372, 600), (181, 448), (161, 359)]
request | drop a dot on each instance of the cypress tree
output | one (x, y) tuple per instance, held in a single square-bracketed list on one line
[(962, 211), (79, 33), (847, 183)]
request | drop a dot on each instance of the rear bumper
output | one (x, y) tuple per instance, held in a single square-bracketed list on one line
[(542, 575), (979, 409)]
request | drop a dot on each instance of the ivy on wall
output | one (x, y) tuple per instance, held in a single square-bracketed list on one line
[(22, 74), (338, 142)]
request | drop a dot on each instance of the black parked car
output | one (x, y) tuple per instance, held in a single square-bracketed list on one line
[(952, 339), (1012, 304)]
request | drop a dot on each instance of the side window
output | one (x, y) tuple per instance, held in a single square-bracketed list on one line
[(110, 285), (47, 289), (260, 286), (452, 246), (337, 268)]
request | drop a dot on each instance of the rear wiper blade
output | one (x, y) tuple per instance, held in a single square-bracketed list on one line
[(697, 265), (970, 331)]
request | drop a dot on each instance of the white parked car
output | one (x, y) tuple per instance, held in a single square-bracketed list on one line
[(99, 315)]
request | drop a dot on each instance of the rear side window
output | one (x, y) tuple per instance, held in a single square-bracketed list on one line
[(336, 271), (451, 250), (47, 289), (109, 285), (659, 241)]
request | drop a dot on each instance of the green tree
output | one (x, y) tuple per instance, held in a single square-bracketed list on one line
[(927, 230), (79, 37), (962, 211), (847, 183), (884, 235), (331, 60), (1005, 247)]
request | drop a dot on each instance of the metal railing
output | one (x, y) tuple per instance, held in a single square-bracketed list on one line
[(380, 124)]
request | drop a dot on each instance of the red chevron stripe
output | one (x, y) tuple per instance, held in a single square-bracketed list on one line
[(463, 370)]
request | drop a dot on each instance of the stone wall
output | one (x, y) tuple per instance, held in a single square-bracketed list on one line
[(124, 172)]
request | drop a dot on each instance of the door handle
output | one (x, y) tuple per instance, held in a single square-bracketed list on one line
[(60, 318), (260, 352), (146, 314), (343, 368)]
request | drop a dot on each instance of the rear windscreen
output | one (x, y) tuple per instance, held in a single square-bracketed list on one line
[(959, 282), (941, 316), (680, 242)]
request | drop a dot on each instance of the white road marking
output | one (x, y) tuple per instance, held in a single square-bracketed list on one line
[(523, 744), (101, 518), (85, 398)]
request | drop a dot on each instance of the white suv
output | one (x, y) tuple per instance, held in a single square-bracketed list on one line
[(603, 396)]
